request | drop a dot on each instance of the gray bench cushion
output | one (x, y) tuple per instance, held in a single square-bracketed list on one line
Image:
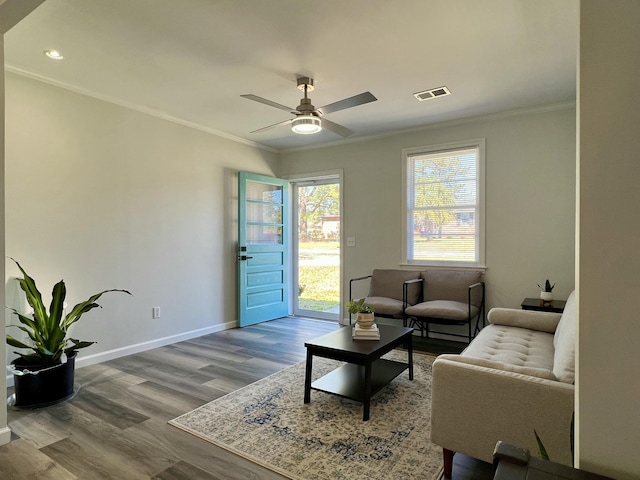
[(449, 310), (385, 306)]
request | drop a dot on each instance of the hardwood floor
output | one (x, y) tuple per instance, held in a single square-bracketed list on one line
[(116, 427)]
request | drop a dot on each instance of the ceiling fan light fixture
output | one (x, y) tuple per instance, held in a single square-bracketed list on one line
[(306, 124), (53, 54)]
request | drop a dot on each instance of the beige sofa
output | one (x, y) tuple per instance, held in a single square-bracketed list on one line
[(517, 375)]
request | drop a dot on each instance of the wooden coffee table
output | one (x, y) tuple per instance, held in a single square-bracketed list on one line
[(364, 373)]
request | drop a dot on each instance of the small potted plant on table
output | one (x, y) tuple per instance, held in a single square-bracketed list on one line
[(364, 311), (45, 374), (546, 294)]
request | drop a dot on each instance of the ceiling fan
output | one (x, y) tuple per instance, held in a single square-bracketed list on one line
[(307, 118)]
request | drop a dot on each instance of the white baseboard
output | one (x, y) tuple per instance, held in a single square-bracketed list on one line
[(85, 361), (5, 435)]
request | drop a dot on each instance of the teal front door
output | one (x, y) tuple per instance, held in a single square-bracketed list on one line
[(263, 253)]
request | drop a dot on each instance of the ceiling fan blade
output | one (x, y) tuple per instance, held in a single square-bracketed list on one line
[(335, 128), (272, 126), (354, 101), (255, 98)]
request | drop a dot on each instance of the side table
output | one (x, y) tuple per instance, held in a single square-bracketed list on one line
[(556, 306), (514, 463)]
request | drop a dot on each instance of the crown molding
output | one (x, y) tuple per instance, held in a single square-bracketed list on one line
[(432, 126), (138, 108)]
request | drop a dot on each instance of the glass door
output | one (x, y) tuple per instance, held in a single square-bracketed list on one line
[(316, 246)]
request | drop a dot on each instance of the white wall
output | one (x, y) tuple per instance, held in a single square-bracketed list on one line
[(11, 12), (608, 386), (106, 197), (530, 198), (5, 434)]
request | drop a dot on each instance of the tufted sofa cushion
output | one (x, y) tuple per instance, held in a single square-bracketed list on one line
[(505, 367), (515, 346)]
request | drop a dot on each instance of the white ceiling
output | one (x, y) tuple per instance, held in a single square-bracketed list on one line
[(190, 60)]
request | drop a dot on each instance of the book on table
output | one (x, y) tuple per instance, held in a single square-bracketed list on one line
[(368, 333)]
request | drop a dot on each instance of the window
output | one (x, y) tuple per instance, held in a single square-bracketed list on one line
[(443, 208)]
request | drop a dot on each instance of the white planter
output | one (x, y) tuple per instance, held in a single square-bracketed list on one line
[(365, 320), (546, 296)]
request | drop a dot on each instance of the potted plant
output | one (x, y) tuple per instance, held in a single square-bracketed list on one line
[(546, 294), (364, 311), (45, 374)]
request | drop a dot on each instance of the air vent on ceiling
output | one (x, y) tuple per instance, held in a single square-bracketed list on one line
[(432, 93)]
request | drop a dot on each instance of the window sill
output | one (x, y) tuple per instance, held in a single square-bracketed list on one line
[(440, 266)]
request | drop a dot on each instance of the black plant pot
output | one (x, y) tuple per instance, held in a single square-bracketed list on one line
[(51, 384)]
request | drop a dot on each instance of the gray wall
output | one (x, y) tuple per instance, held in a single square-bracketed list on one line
[(529, 208), (5, 434), (106, 197), (608, 390), (11, 12)]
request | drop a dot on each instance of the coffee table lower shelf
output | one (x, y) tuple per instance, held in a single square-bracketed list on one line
[(348, 380)]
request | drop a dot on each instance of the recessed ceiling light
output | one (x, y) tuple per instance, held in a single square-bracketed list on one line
[(54, 54)]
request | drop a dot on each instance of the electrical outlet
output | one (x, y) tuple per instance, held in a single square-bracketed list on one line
[(156, 312), (351, 241)]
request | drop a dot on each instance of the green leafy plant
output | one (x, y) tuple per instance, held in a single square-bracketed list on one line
[(542, 451), (358, 306), (547, 286), (48, 330)]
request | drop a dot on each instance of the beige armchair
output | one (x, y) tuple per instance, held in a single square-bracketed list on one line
[(449, 297), (390, 291)]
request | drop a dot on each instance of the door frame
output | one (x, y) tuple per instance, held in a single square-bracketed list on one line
[(336, 176)]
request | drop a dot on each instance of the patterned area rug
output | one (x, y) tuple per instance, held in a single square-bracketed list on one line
[(268, 423)]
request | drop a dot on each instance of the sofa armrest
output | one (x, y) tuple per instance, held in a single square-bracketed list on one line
[(531, 319), (474, 406)]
